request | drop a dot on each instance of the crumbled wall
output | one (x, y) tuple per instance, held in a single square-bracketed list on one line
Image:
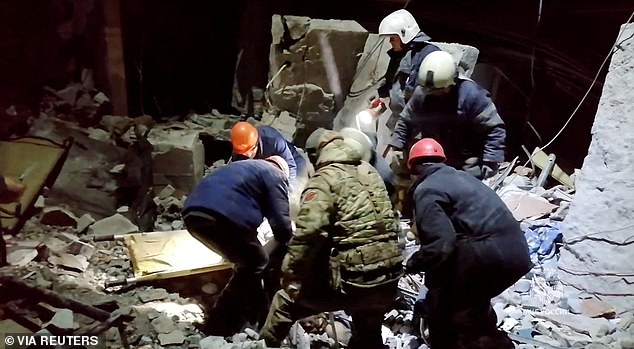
[(599, 229), (322, 58)]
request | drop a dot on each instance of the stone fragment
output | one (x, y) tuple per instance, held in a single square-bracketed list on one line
[(172, 338), (21, 257), (58, 216)]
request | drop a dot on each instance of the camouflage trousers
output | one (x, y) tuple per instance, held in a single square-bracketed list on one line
[(366, 306)]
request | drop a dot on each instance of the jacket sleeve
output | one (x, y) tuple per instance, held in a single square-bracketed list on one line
[(277, 208), (437, 235), (489, 123), (392, 67), (403, 128), (311, 228), (282, 148)]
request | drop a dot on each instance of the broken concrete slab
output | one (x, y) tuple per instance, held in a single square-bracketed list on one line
[(172, 338), (58, 216), (594, 327), (116, 224), (178, 156), (68, 261), (63, 319), (21, 257), (86, 157), (597, 229), (597, 308), (322, 54)]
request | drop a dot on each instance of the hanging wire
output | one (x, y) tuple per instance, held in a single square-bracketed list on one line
[(617, 42)]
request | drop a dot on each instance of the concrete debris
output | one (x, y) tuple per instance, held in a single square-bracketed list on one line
[(63, 319), (113, 225), (21, 257), (51, 253), (58, 216)]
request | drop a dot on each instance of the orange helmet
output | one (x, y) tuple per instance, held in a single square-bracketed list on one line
[(244, 137), (426, 148)]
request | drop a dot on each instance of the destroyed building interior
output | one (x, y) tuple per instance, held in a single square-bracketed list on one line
[(112, 111)]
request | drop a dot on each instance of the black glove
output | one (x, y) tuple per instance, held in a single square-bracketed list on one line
[(413, 265), (489, 169)]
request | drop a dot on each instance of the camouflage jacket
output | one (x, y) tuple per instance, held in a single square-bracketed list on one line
[(347, 216)]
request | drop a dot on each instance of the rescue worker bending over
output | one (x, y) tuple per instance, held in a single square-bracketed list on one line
[(250, 142), (344, 254), (458, 113), (472, 249), (224, 212)]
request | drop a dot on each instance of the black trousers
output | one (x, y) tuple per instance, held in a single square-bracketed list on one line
[(468, 323), (243, 300)]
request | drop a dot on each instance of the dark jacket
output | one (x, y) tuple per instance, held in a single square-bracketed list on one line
[(402, 69), (244, 192), (469, 238), (465, 121), (272, 142)]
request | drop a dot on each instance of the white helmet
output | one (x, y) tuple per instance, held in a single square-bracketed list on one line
[(359, 141), (401, 23), (437, 70)]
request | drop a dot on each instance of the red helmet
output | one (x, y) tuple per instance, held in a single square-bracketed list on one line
[(244, 137), (426, 148)]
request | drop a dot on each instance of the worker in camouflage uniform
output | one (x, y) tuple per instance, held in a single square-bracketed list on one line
[(344, 254)]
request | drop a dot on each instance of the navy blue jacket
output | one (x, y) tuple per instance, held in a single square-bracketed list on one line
[(403, 66), (244, 192), (465, 122), (272, 142), (469, 238)]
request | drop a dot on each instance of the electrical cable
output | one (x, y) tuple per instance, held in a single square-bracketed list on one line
[(594, 80)]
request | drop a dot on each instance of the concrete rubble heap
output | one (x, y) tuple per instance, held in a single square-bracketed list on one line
[(58, 248)]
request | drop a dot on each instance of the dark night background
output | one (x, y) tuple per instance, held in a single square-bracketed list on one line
[(180, 56)]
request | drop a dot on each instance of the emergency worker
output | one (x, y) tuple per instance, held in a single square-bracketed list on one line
[(458, 113), (471, 249), (224, 212), (410, 46), (251, 142), (344, 253)]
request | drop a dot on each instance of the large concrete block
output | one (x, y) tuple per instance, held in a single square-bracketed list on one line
[(321, 58), (178, 156), (598, 230)]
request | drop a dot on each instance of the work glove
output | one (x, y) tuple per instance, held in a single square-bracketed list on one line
[(291, 286), (412, 265), (489, 169)]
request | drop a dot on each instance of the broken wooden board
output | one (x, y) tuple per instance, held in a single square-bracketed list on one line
[(36, 162), (540, 159)]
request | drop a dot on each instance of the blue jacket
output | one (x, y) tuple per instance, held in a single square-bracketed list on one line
[(245, 192), (402, 70), (272, 142), (465, 122)]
